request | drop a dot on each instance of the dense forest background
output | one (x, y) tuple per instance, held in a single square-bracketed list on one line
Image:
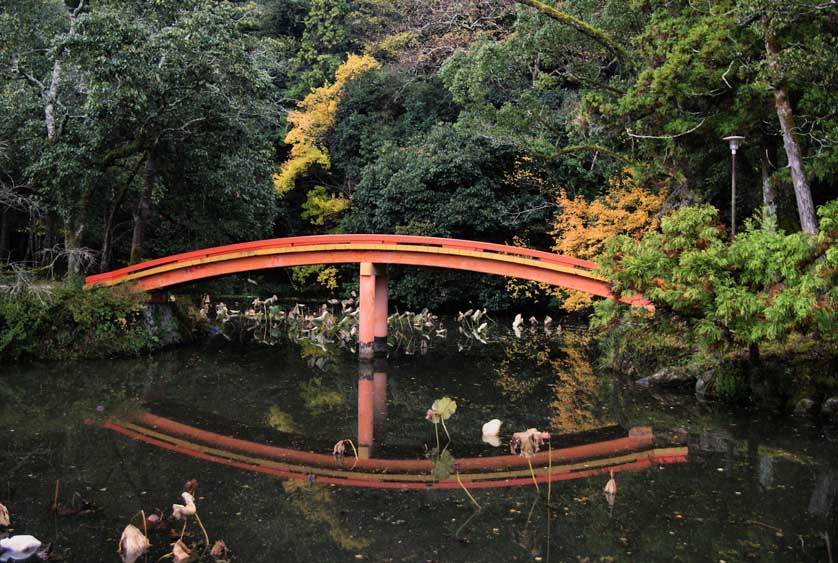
[(131, 129)]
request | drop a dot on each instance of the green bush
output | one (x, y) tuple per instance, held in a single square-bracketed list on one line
[(73, 323), (762, 287), (21, 319)]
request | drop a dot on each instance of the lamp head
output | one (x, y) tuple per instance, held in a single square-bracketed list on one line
[(734, 141)]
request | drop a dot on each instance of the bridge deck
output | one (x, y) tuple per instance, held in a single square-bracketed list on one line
[(489, 258), (336, 242)]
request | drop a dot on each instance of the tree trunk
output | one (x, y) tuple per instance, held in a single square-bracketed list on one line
[(5, 255), (51, 98), (753, 353), (802, 192), (72, 246), (141, 213), (107, 242), (769, 198)]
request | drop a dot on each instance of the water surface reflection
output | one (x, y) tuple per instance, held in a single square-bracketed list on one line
[(748, 487), (575, 456)]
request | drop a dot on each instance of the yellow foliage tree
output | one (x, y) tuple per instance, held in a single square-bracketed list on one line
[(626, 209), (321, 207), (582, 227), (314, 119), (317, 504)]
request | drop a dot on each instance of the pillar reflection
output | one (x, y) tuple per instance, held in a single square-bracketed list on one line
[(372, 404), (379, 385)]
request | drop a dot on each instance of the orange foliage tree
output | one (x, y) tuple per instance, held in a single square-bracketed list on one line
[(581, 228)]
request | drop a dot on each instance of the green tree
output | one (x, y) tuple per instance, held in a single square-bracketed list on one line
[(761, 287), (36, 83), (164, 105), (445, 183), (799, 54), (683, 78), (384, 106), (526, 87), (323, 46)]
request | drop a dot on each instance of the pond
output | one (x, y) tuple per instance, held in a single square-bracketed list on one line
[(255, 425)]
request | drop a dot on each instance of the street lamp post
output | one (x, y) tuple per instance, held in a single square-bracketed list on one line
[(734, 141)]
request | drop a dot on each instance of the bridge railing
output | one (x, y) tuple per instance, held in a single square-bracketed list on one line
[(348, 240)]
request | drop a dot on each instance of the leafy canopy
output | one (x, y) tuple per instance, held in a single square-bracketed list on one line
[(763, 286), (314, 119)]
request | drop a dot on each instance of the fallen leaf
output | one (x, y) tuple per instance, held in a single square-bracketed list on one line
[(527, 443), (19, 547), (492, 428), (180, 552), (219, 549), (611, 485)]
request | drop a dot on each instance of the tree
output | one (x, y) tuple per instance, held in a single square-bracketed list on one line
[(189, 83), (761, 287), (587, 29), (155, 101), (383, 106), (794, 32), (311, 124), (418, 36), (686, 78), (323, 46), (581, 229), (526, 88), (39, 60), (444, 183)]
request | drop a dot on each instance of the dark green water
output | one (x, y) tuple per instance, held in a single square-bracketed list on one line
[(752, 488)]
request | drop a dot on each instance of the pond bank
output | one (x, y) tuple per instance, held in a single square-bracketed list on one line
[(74, 324), (799, 378), (70, 323)]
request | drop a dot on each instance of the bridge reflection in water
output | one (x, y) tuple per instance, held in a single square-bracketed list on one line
[(637, 449)]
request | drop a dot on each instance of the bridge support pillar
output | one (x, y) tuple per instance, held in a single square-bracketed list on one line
[(380, 316), (372, 317)]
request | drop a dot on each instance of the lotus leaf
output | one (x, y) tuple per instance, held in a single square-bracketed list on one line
[(443, 408)]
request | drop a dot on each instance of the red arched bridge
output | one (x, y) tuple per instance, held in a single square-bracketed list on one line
[(373, 253)]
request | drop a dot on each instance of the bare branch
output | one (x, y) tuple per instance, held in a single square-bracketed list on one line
[(635, 136), (596, 149), (183, 127), (514, 217), (724, 76)]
